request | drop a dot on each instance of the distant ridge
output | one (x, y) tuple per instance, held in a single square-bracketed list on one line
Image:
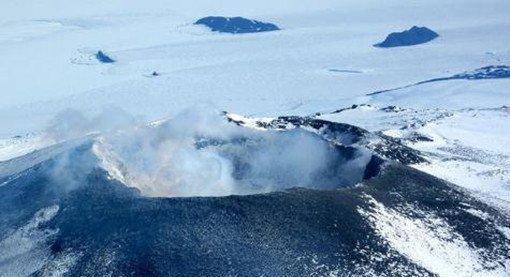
[(486, 72)]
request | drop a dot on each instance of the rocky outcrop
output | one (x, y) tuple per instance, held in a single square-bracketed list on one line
[(235, 25), (413, 36)]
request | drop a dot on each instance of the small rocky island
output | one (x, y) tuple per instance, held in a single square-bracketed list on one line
[(236, 25), (415, 35), (103, 58)]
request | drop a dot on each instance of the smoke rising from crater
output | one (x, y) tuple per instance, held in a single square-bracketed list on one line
[(199, 153)]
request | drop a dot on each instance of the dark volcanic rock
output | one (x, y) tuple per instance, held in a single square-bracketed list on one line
[(487, 72), (413, 36), (417, 137), (112, 230), (350, 136), (235, 25)]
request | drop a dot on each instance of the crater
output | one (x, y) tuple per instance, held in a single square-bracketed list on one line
[(240, 161), (210, 156)]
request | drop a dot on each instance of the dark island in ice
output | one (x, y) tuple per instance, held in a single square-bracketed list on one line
[(235, 25), (413, 36), (103, 58)]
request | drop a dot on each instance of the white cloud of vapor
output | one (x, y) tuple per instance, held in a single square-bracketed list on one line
[(201, 154)]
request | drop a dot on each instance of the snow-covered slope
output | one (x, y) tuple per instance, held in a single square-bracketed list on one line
[(465, 146)]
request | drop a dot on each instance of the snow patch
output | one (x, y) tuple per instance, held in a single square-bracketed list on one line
[(428, 241), (24, 251)]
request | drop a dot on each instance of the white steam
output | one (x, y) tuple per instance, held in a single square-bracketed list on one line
[(201, 154), (163, 160), (71, 124)]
